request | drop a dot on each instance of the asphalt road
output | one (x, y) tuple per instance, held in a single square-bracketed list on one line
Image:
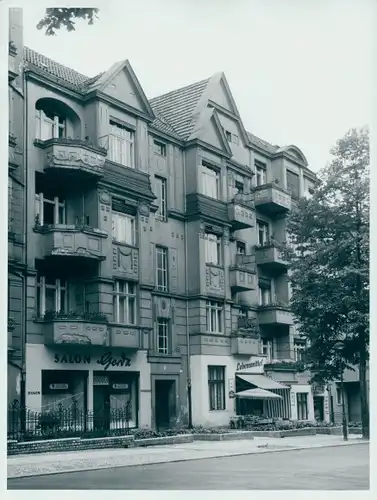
[(337, 468)]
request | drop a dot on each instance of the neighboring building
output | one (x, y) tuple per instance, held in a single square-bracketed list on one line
[(152, 263)]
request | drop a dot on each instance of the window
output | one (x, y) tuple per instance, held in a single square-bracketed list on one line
[(240, 248), (239, 187), (231, 137), (49, 125), (293, 184), (124, 303), (163, 343), (235, 139), (210, 182), (263, 232), (214, 315), (236, 184), (161, 269), (260, 170), (216, 387), (299, 350), (121, 145), (302, 405), (123, 228), (228, 136), (308, 188), (339, 396), (49, 211), (267, 349), (51, 295), (159, 148), (213, 249), (264, 296), (161, 198)]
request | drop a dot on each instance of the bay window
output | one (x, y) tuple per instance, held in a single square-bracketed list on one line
[(51, 295), (121, 145), (123, 228), (124, 303), (213, 249), (49, 125), (210, 181), (49, 210), (214, 317)]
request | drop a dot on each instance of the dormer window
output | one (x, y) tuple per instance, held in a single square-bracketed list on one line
[(232, 137)]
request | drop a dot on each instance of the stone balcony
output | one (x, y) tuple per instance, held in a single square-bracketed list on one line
[(72, 241), (127, 337), (247, 346), (275, 314), (241, 211), (272, 199), (241, 279), (270, 256), (71, 155), (215, 280), (75, 329)]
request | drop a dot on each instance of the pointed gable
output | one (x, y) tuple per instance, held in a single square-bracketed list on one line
[(209, 130), (121, 83)]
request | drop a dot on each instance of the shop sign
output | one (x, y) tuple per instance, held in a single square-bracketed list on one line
[(33, 393), (255, 366), (121, 386), (106, 360), (58, 387)]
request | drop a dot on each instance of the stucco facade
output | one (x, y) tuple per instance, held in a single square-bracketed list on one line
[(151, 234)]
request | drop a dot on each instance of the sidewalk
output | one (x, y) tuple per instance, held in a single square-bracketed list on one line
[(52, 463)]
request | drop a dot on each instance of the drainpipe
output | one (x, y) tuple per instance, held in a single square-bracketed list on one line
[(189, 397)]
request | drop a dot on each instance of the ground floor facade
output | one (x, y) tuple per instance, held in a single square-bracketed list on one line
[(226, 386)]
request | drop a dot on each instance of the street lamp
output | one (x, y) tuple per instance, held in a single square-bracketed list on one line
[(339, 346)]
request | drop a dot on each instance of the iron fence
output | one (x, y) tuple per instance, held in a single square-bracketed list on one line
[(28, 425)]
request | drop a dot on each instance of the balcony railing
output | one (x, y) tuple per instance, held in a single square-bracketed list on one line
[(241, 279), (241, 211), (275, 314), (271, 199), (270, 255), (246, 262), (128, 337)]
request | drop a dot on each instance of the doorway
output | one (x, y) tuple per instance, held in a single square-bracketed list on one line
[(165, 409), (101, 407), (319, 412)]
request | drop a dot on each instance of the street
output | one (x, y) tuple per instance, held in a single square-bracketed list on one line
[(337, 468)]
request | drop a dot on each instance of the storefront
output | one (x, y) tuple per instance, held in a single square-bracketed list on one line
[(97, 381)]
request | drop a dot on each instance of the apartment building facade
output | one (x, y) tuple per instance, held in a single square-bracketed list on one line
[(152, 266)]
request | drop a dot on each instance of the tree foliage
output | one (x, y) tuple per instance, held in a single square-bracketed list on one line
[(56, 18), (329, 261)]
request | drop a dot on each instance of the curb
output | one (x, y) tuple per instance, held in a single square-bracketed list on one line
[(232, 454)]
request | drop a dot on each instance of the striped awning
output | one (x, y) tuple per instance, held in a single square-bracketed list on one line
[(261, 381), (257, 394)]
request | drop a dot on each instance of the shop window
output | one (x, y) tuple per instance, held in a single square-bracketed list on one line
[(124, 303), (302, 405), (123, 228), (213, 249), (263, 232), (210, 181), (261, 173), (159, 148), (161, 193), (161, 269), (52, 295), (214, 316), (121, 144), (163, 336), (65, 389), (216, 387)]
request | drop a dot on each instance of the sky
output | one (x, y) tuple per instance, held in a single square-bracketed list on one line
[(301, 71)]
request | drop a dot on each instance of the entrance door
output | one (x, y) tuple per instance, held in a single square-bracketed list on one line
[(164, 402), (101, 407), (319, 413)]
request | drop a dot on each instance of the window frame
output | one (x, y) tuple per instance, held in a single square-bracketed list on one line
[(260, 172), (216, 387), (122, 144), (57, 123), (302, 404), (162, 198), (338, 394), (212, 173), (161, 145), (213, 246), (164, 323), (261, 292), (59, 209), (127, 296), (59, 286), (263, 227), (268, 349), (214, 317), (164, 286), (116, 217)]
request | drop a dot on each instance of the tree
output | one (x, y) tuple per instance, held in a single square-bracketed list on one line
[(58, 17), (329, 266)]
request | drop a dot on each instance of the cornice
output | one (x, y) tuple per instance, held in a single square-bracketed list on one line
[(53, 83)]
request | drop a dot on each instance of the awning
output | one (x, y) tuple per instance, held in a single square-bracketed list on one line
[(257, 394), (261, 381)]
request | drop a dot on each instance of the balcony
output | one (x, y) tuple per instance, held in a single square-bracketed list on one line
[(71, 155), (272, 199), (269, 255), (72, 241), (241, 279), (13, 71), (127, 337), (246, 339), (241, 211), (76, 329), (215, 282), (275, 314)]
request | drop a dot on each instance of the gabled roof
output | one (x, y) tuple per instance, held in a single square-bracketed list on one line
[(260, 143), (178, 106)]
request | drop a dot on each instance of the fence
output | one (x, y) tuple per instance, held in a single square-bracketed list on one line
[(27, 425)]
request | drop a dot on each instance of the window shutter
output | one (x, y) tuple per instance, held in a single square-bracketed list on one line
[(293, 183)]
